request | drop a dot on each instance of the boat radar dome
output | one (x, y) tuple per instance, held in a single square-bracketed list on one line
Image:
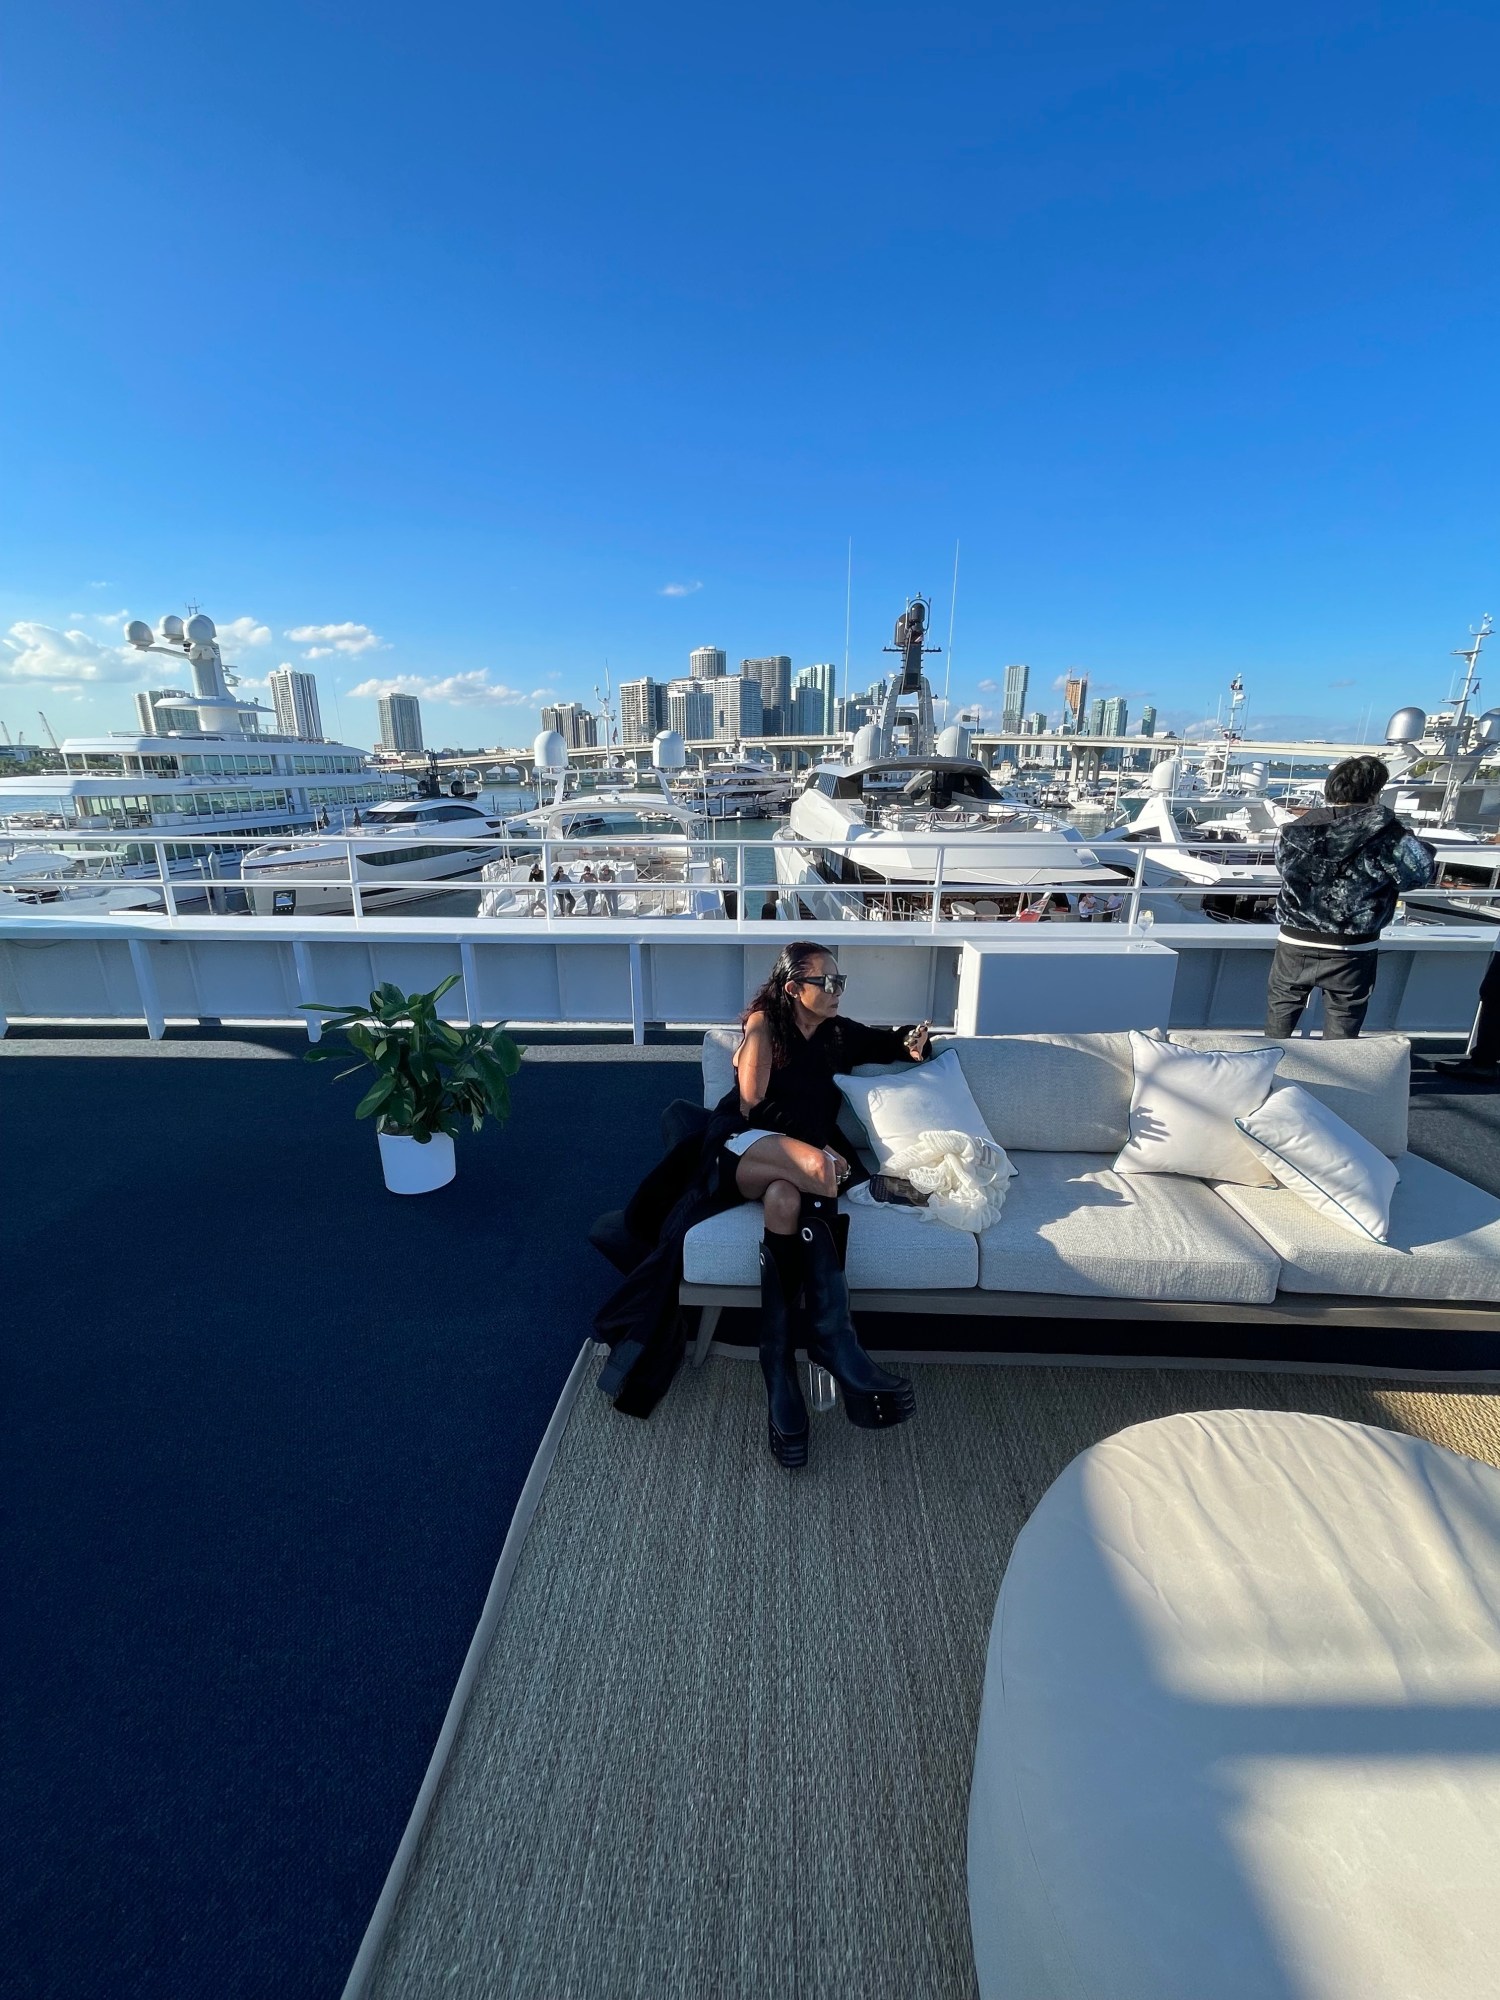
[(1488, 732), (1406, 726), (867, 743), (550, 752), (200, 630), (668, 751), (953, 741), (171, 628), (1163, 775), (139, 633)]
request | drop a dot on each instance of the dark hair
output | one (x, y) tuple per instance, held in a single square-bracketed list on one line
[(775, 1004), (1356, 781)]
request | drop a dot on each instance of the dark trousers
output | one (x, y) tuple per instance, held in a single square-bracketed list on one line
[(1484, 1042), (1345, 977)]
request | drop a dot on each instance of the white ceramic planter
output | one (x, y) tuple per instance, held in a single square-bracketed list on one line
[(410, 1168)]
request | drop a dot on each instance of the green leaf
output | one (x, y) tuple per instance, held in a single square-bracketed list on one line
[(374, 1097)]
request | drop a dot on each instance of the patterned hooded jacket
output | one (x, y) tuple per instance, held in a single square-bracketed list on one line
[(1342, 868)]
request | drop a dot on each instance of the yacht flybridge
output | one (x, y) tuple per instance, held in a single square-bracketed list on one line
[(733, 788), (1216, 848), (883, 837), (396, 852), (647, 856)]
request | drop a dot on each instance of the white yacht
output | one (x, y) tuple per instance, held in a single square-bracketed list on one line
[(655, 850), (46, 881), (734, 788), (867, 839), (396, 851), (1215, 849)]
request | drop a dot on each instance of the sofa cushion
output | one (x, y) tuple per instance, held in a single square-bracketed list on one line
[(1183, 1109), (1366, 1082), (1039, 1092), (890, 1250), (1073, 1226), (719, 1046), (893, 1111), (1323, 1161), (1444, 1240)]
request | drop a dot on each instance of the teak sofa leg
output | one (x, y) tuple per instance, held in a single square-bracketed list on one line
[(708, 1320)]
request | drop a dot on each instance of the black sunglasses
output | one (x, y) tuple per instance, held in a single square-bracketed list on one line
[(831, 982)]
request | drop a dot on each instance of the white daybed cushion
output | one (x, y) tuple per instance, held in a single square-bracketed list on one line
[(1073, 1226), (896, 1110), (719, 1046), (1183, 1108), (890, 1249), (1366, 1081), (1037, 1093), (1240, 1733), (1443, 1241), (1323, 1161)]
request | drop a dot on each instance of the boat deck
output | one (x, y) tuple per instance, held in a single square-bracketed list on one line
[(267, 1427)]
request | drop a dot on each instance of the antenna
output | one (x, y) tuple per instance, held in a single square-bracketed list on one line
[(952, 612), (848, 610)]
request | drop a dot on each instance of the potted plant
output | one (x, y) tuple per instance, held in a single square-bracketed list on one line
[(429, 1077)]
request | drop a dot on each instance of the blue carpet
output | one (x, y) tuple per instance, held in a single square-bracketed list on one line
[(266, 1425)]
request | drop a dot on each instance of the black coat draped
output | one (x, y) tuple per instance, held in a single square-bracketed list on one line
[(641, 1320)]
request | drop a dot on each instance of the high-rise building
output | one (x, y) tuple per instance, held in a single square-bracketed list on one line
[(706, 663), (852, 712), (813, 701), (1096, 716), (1013, 700), (1075, 694), (1036, 722), (737, 709), (295, 697), (1148, 720), (643, 709), (156, 721), (575, 724), (690, 710), (400, 722), (774, 673), (1114, 719)]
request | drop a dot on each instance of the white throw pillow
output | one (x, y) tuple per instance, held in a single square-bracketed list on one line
[(1314, 1154), (1183, 1105), (930, 1097)]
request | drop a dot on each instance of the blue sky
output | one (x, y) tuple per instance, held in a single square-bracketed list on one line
[(453, 339)]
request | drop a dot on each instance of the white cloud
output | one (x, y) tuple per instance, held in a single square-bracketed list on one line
[(679, 589), (43, 656), (100, 586), (243, 632), (323, 640), (471, 690), (989, 687)]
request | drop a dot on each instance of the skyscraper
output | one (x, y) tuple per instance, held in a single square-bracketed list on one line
[(1013, 701), (643, 709), (737, 709), (1114, 721), (1036, 722), (774, 673), (690, 710), (400, 722), (706, 663), (1148, 720), (156, 721), (296, 700), (576, 725), (813, 696), (1075, 694), (1096, 716)]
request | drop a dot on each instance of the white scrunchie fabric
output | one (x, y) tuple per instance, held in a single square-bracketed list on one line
[(965, 1179)]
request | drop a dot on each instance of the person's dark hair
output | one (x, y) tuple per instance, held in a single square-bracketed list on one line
[(775, 1004), (1356, 781)]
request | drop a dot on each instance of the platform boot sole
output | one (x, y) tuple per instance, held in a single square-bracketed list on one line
[(874, 1409)]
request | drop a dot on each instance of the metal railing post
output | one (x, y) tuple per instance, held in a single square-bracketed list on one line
[(356, 900), (937, 886), (168, 894), (1135, 887)]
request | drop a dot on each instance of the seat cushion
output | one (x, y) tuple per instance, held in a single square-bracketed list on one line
[(1038, 1092), (890, 1250), (1443, 1241), (1240, 1720), (1072, 1225), (719, 1048), (1366, 1082)]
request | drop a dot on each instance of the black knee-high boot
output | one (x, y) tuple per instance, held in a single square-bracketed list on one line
[(873, 1397), (786, 1413)]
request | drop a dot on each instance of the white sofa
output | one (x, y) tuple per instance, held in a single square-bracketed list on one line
[(1076, 1238)]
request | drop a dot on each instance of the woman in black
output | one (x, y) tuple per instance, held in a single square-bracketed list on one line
[(779, 1144)]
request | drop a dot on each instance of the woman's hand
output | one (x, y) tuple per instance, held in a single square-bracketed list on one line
[(916, 1041)]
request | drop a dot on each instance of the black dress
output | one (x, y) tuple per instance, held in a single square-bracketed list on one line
[(641, 1321)]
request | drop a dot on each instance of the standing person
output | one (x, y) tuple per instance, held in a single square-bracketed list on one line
[(1343, 867), (1113, 905), (606, 898), (1088, 904), (564, 895), (1482, 1062), (588, 878)]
